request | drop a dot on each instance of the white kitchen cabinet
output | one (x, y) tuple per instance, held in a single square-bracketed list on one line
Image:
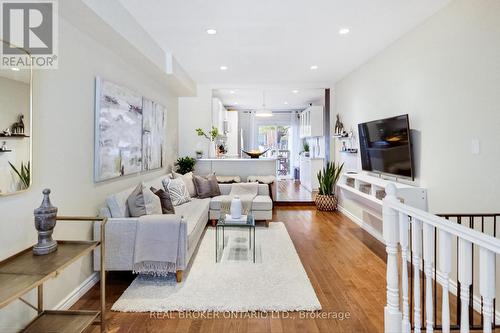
[(311, 122), (219, 114), (309, 168)]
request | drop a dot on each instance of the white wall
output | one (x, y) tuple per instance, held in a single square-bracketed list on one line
[(446, 75), (63, 141), (195, 112)]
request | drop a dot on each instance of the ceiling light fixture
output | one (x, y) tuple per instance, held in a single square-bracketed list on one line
[(231, 91), (211, 31), (235, 103), (223, 68), (286, 103), (15, 69), (344, 31), (264, 112), (295, 91), (313, 67)]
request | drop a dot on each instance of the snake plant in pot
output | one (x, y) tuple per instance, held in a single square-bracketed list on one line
[(326, 200)]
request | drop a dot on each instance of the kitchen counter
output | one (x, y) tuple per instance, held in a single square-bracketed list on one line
[(242, 167), (237, 159)]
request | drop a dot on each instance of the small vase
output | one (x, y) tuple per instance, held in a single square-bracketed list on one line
[(236, 207), (45, 222), (212, 150)]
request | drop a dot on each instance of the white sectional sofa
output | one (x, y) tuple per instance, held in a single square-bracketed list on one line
[(194, 215)]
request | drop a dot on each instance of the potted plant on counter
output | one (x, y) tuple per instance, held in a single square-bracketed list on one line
[(306, 149), (326, 200), (211, 136), (184, 165)]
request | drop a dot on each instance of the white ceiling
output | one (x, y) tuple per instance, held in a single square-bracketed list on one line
[(276, 41), (276, 99)]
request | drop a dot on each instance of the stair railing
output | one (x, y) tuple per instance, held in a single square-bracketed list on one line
[(427, 231)]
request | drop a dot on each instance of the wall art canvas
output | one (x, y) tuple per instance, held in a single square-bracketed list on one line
[(118, 131), (153, 134)]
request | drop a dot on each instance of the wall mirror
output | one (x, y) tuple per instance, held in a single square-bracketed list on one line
[(15, 129)]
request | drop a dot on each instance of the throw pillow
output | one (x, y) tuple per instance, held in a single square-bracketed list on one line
[(203, 187), (188, 181), (207, 187), (135, 202), (143, 202), (151, 201), (214, 184), (177, 190), (228, 179), (166, 203)]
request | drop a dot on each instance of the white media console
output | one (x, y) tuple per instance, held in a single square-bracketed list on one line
[(368, 191)]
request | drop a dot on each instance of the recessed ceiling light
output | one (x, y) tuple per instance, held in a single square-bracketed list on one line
[(235, 103), (295, 91), (344, 31), (286, 103), (15, 69), (313, 67), (223, 68), (231, 91), (211, 31)]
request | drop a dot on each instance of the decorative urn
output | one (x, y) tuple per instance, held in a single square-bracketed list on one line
[(45, 221)]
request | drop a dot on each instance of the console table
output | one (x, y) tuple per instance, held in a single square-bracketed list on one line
[(25, 271), (369, 191)]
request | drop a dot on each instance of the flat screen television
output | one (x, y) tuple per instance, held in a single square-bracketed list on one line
[(385, 146)]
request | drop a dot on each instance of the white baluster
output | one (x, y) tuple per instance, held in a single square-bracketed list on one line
[(428, 233), (403, 240), (465, 279), (416, 244), (445, 268), (392, 313), (487, 285)]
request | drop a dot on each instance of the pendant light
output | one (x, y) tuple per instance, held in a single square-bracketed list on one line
[(264, 112)]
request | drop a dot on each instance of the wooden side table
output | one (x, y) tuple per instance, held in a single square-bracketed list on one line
[(25, 271)]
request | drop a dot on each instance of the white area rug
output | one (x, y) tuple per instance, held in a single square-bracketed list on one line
[(276, 282)]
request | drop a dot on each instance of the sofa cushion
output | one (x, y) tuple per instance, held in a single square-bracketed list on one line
[(117, 203), (262, 202), (216, 202), (194, 212), (177, 190)]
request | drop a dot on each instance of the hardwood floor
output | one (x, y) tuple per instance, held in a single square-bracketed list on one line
[(290, 191), (345, 266)]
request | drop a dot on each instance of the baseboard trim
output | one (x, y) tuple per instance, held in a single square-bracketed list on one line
[(368, 228), (76, 294)]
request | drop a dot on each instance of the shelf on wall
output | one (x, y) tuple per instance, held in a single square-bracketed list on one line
[(14, 136), (348, 152), (5, 151)]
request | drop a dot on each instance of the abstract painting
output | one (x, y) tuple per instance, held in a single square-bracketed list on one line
[(153, 134), (118, 126)]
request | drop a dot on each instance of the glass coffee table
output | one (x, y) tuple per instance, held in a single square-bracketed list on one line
[(222, 224)]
